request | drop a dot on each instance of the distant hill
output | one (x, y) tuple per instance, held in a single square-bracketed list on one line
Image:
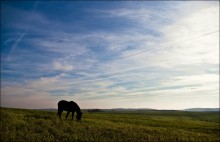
[(140, 109), (132, 109), (202, 109)]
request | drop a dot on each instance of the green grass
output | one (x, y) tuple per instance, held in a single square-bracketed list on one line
[(33, 125)]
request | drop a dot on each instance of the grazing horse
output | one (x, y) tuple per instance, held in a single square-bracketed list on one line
[(69, 107)]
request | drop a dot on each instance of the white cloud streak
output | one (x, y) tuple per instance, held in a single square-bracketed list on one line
[(62, 66), (180, 51)]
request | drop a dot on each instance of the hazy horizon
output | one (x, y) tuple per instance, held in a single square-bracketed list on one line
[(110, 54), (55, 108)]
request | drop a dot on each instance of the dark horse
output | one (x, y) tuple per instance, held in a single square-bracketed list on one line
[(69, 107)]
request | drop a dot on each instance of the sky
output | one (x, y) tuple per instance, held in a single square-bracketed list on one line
[(110, 54)]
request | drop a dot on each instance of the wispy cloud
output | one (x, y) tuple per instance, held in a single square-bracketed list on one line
[(168, 50), (62, 66)]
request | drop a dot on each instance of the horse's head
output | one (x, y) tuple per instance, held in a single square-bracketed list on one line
[(79, 115)]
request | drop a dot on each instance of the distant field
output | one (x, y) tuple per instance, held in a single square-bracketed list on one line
[(40, 126)]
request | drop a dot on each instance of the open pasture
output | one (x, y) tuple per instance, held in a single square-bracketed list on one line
[(35, 125)]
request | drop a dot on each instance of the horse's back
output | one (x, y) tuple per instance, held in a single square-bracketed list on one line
[(67, 106), (62, 103)]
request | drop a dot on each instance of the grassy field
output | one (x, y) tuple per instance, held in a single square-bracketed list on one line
[(34, 125)]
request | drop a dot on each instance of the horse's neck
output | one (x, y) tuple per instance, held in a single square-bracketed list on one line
[(78, 110)]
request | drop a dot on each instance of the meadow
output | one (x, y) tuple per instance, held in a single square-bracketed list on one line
[(167, 126)]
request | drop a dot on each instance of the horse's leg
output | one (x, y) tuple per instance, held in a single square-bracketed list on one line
[(72, 115), (67, 114), (60, 112)]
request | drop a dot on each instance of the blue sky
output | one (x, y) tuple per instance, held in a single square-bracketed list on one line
[(109, 54)]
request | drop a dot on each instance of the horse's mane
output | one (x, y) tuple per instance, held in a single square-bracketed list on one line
[(77, 107)]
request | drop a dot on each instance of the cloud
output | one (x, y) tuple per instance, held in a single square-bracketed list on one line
[(27, 98), (15, 44), (162, 53), (186, 47), (62, 66)]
